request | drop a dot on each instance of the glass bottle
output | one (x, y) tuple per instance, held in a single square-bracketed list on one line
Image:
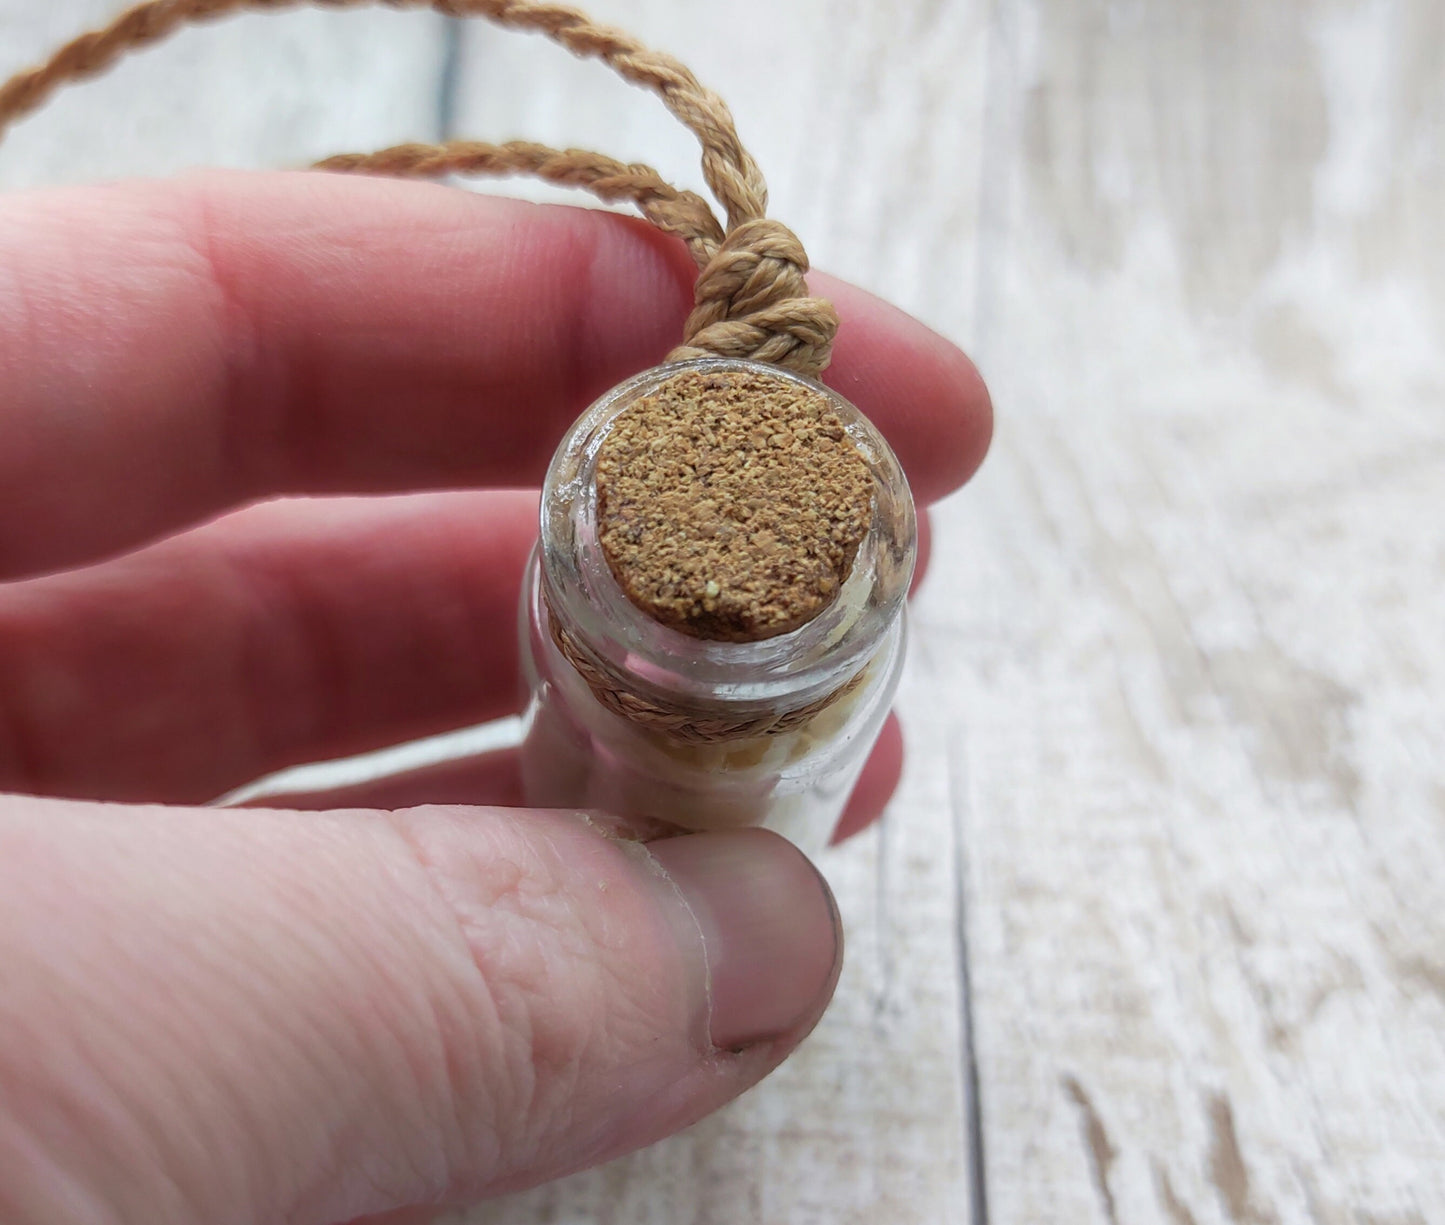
[(831, 680)]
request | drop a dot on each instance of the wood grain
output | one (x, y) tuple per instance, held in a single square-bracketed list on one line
[(1175, 704), (1193, 629), (252, 91)]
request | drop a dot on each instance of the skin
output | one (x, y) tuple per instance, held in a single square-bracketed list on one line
[(364, 1004)]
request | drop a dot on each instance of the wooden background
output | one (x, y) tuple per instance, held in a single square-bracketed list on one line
[(1155, 929)]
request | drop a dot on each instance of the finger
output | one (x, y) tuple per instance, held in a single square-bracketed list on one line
[(297, 631), (292, 632), (171, 349), (876, 784), (257, 1015), (402, 1216)]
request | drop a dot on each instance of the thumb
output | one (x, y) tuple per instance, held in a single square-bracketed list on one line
[(247, 1016)]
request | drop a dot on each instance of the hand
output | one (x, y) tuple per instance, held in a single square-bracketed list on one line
[(237, 1015)]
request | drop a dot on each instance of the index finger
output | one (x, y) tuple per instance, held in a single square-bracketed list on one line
[(171, 349)]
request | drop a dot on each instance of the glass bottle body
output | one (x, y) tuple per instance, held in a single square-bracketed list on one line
[(833, 679)]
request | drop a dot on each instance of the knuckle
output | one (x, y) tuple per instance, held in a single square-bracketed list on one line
[(559, 996)]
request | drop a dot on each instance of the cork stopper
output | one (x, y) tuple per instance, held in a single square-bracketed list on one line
[(731, 503)]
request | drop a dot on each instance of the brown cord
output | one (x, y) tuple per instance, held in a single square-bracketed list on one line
[(684, 722), (681, 213), (750, 297)]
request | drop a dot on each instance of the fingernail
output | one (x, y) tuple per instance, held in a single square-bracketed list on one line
[(769, 929)]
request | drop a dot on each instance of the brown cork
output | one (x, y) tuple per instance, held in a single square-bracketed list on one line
[(731, 503)]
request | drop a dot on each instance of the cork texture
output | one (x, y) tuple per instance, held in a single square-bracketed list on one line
[(731, 504)]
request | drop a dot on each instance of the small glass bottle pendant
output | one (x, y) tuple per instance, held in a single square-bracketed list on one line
[(713, 621)]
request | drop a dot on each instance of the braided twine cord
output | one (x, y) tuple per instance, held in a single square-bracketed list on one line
[(750, 299), (686, 723)]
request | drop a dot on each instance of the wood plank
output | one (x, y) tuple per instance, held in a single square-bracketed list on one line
[(1193, 633), (258, 90)]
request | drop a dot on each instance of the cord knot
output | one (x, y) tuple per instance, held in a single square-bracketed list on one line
[(751, 301)]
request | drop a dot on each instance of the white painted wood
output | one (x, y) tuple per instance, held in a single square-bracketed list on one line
[(1191, 627), (256, 90)]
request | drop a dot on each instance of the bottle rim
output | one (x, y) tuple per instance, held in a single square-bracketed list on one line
[(661, 663)]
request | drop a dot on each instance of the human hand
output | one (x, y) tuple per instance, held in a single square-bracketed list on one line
[(258, 1015)]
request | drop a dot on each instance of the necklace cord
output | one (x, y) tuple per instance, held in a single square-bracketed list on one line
[(750, 297)]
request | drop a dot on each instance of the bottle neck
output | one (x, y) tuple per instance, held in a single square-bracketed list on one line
[(695, 688)]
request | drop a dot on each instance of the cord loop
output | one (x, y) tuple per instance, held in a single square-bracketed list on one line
[(750, 300)]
